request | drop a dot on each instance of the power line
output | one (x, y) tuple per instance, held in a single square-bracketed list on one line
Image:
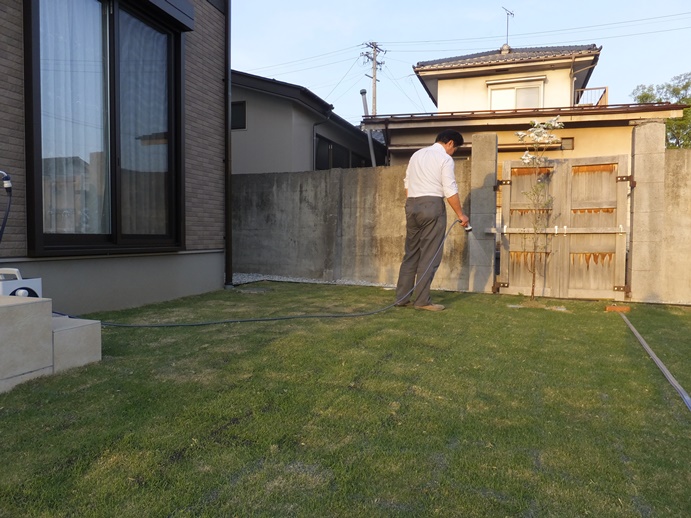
[(481, 38), (342, 78), (311, 68), (400, 49), (397, 85), (648, 20), (311, 58), (347, 90), (551, 43)]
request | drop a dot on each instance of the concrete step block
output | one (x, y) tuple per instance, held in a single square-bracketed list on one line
[(76, 342), (26, 342)]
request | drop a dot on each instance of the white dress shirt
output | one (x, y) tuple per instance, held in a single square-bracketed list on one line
[(430, 172)]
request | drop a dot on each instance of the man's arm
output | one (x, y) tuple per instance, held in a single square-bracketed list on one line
[(455, 203)]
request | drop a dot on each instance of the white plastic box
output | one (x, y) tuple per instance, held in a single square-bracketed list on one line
[(12, 284)]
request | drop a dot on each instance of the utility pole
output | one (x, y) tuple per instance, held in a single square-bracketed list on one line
[(371, 55)]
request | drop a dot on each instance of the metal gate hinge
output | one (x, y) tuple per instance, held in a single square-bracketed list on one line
[(501, 183), (624, 288), (628, 178), (497, 285)]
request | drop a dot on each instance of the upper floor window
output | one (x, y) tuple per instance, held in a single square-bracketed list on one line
[(514, 94), (238, 115), (104, 152)]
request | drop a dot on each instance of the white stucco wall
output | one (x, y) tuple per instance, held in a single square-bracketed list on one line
[(267, 149), (471, 94), (280, 135)]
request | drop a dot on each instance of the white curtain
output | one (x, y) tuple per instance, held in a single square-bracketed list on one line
[(76, 183), (143, 93)]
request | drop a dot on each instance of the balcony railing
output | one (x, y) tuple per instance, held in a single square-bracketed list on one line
[(590, 96)]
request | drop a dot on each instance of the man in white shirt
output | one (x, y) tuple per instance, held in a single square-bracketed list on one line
[(429, 180)]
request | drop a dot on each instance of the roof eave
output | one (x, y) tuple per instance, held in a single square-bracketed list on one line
[(471, 69), (623, 112)]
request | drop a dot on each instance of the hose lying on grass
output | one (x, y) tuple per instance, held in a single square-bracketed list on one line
[(684, 396)]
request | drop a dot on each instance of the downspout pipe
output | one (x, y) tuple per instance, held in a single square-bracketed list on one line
[(228, 255), (363, 93)]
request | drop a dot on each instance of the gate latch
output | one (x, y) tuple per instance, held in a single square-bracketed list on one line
[(501, 183)]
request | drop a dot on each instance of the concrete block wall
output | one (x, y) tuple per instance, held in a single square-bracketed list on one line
[(337, 225), (348, 225)]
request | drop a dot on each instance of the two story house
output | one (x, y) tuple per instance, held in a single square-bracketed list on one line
[(304, 132), (502, 90)]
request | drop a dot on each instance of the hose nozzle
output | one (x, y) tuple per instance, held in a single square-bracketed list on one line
[(6, 181)]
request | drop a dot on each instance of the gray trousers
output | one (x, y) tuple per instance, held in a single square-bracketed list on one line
[(425, 227)]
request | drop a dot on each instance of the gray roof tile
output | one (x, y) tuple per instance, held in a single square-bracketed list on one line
[(514, 55)]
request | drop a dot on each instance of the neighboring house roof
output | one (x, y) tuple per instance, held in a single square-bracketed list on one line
[(510, 55), (292, 92)]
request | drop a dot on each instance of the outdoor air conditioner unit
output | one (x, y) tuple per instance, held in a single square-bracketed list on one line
[(12, 284)]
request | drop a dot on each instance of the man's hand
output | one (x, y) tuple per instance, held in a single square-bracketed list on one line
[(455, 204)]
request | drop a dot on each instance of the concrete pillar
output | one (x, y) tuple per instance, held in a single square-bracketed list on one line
[(483, 209), (646, 261)]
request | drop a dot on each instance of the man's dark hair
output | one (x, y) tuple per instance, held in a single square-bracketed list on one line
[(449, 134)]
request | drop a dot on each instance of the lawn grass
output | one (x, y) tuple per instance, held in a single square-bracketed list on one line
[(495, 407)]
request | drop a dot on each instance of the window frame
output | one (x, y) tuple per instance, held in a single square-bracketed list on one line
[(41, 244), (235, 114), (516, 84)]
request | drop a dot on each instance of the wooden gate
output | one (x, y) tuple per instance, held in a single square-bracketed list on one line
[(579, 248)]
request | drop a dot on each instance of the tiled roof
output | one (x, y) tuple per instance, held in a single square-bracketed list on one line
[(509, 55)]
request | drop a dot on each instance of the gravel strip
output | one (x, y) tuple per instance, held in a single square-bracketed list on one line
[(246, 278)]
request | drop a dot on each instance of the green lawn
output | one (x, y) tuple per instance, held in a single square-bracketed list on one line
[(495, 407)]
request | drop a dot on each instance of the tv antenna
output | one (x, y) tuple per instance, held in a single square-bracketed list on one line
[(508, 13)]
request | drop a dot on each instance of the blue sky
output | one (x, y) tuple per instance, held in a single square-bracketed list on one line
[(318, 44)]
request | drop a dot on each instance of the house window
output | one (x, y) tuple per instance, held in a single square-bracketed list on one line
[(567, 143), (340, 156), (238, 115), (515, 94), (329, 155), (322, 159), (528, 97), (106, 138)]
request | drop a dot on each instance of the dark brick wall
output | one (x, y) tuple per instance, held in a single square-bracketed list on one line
[(12, 126), (205, 135)]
